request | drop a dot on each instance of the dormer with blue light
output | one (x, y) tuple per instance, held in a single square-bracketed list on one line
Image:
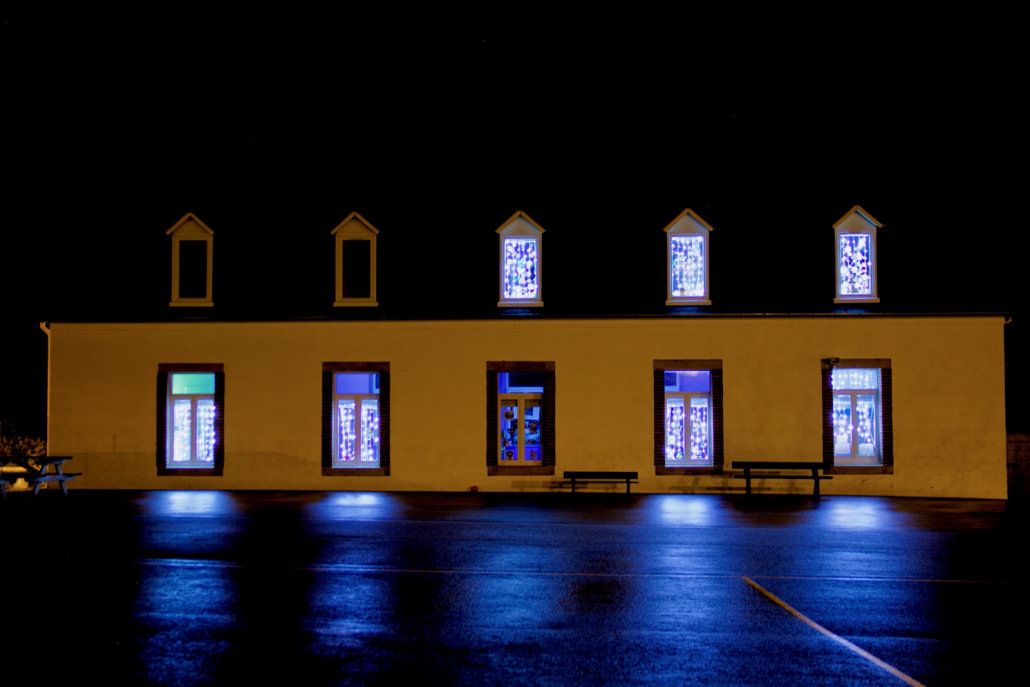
[(857, 262), (521, 266), (687, 260)]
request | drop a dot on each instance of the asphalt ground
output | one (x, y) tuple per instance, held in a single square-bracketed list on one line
[(344, 588)]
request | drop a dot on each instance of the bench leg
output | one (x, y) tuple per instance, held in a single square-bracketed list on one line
[(573, 485), (747, 481), (815, 480)]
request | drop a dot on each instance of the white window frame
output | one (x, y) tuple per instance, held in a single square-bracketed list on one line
[(857, 222), (685, 397), (519, 400), (194, 399), (854, 459), (687, 223), (189, 228), (358, 400), (520, 226), (355, 228)]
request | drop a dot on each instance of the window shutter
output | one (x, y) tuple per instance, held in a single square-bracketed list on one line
[(384, 419), (717, 451), (827, 417), (887, 413), (659, 417), (162, 420), (327, 420), (491, 417), (548, 417)]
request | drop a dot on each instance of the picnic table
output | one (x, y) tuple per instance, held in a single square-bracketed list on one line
[(37, 471)]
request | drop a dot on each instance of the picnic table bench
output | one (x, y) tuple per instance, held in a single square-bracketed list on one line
[(583, 476), (772, 469), (36, 471)]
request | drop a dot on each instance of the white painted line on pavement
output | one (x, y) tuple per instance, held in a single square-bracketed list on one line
[(837, 638)]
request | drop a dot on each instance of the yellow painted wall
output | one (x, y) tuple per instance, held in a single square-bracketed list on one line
[(948, 398)]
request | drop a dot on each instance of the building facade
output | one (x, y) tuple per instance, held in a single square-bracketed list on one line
[(899, 404)]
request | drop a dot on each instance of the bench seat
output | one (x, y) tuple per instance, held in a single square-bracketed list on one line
[(600, 476), (771, 469)]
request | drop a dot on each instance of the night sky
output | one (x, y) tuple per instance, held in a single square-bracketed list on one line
[(770, 126)]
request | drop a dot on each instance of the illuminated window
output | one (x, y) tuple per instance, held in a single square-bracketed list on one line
[(688, 416), (520, 418), (855, 236), (190, 418), (355, 418), (687, 260), (857, 426), (355, 250), (192, 262), (521, 262)]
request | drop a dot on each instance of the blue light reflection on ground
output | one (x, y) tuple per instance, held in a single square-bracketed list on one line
[(353, 506), (188, 610), (683, 510), (188, 503)]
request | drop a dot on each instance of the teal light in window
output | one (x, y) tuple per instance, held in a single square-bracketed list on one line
[(193, 383)]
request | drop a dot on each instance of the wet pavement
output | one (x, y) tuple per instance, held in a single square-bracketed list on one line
[(199, 588)]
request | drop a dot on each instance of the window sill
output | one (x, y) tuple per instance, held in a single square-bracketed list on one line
[(355, 472), (502, 470), (687, 471), (520, 304), (859, 470), (197, 303), (356, 303), (189, 472)]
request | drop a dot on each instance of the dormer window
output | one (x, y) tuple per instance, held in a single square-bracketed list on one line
[(687, 260), (192, 260), (355, 262), (855, 236), (520, 265)]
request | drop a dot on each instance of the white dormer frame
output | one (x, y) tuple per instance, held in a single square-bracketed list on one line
[(188, 229), (355, 228), (856, 259), (521, 235), (683, 286)]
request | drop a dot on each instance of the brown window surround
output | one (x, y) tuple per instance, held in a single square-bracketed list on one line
[(660, 367), (886, 466), (164, 370), (383, 370), (547, 415)]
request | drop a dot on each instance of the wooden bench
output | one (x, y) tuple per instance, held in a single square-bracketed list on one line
[(771, 469), (583, 476)]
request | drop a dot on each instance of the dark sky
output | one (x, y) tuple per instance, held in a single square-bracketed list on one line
[(117, 123)]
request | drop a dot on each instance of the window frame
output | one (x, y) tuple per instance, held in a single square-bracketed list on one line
[(886, 429), (355, 228), (189, 228), (660, 367), (494, 465), (164, 408), (687, 223), (520, 226), (857, 222), (329, 397)]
